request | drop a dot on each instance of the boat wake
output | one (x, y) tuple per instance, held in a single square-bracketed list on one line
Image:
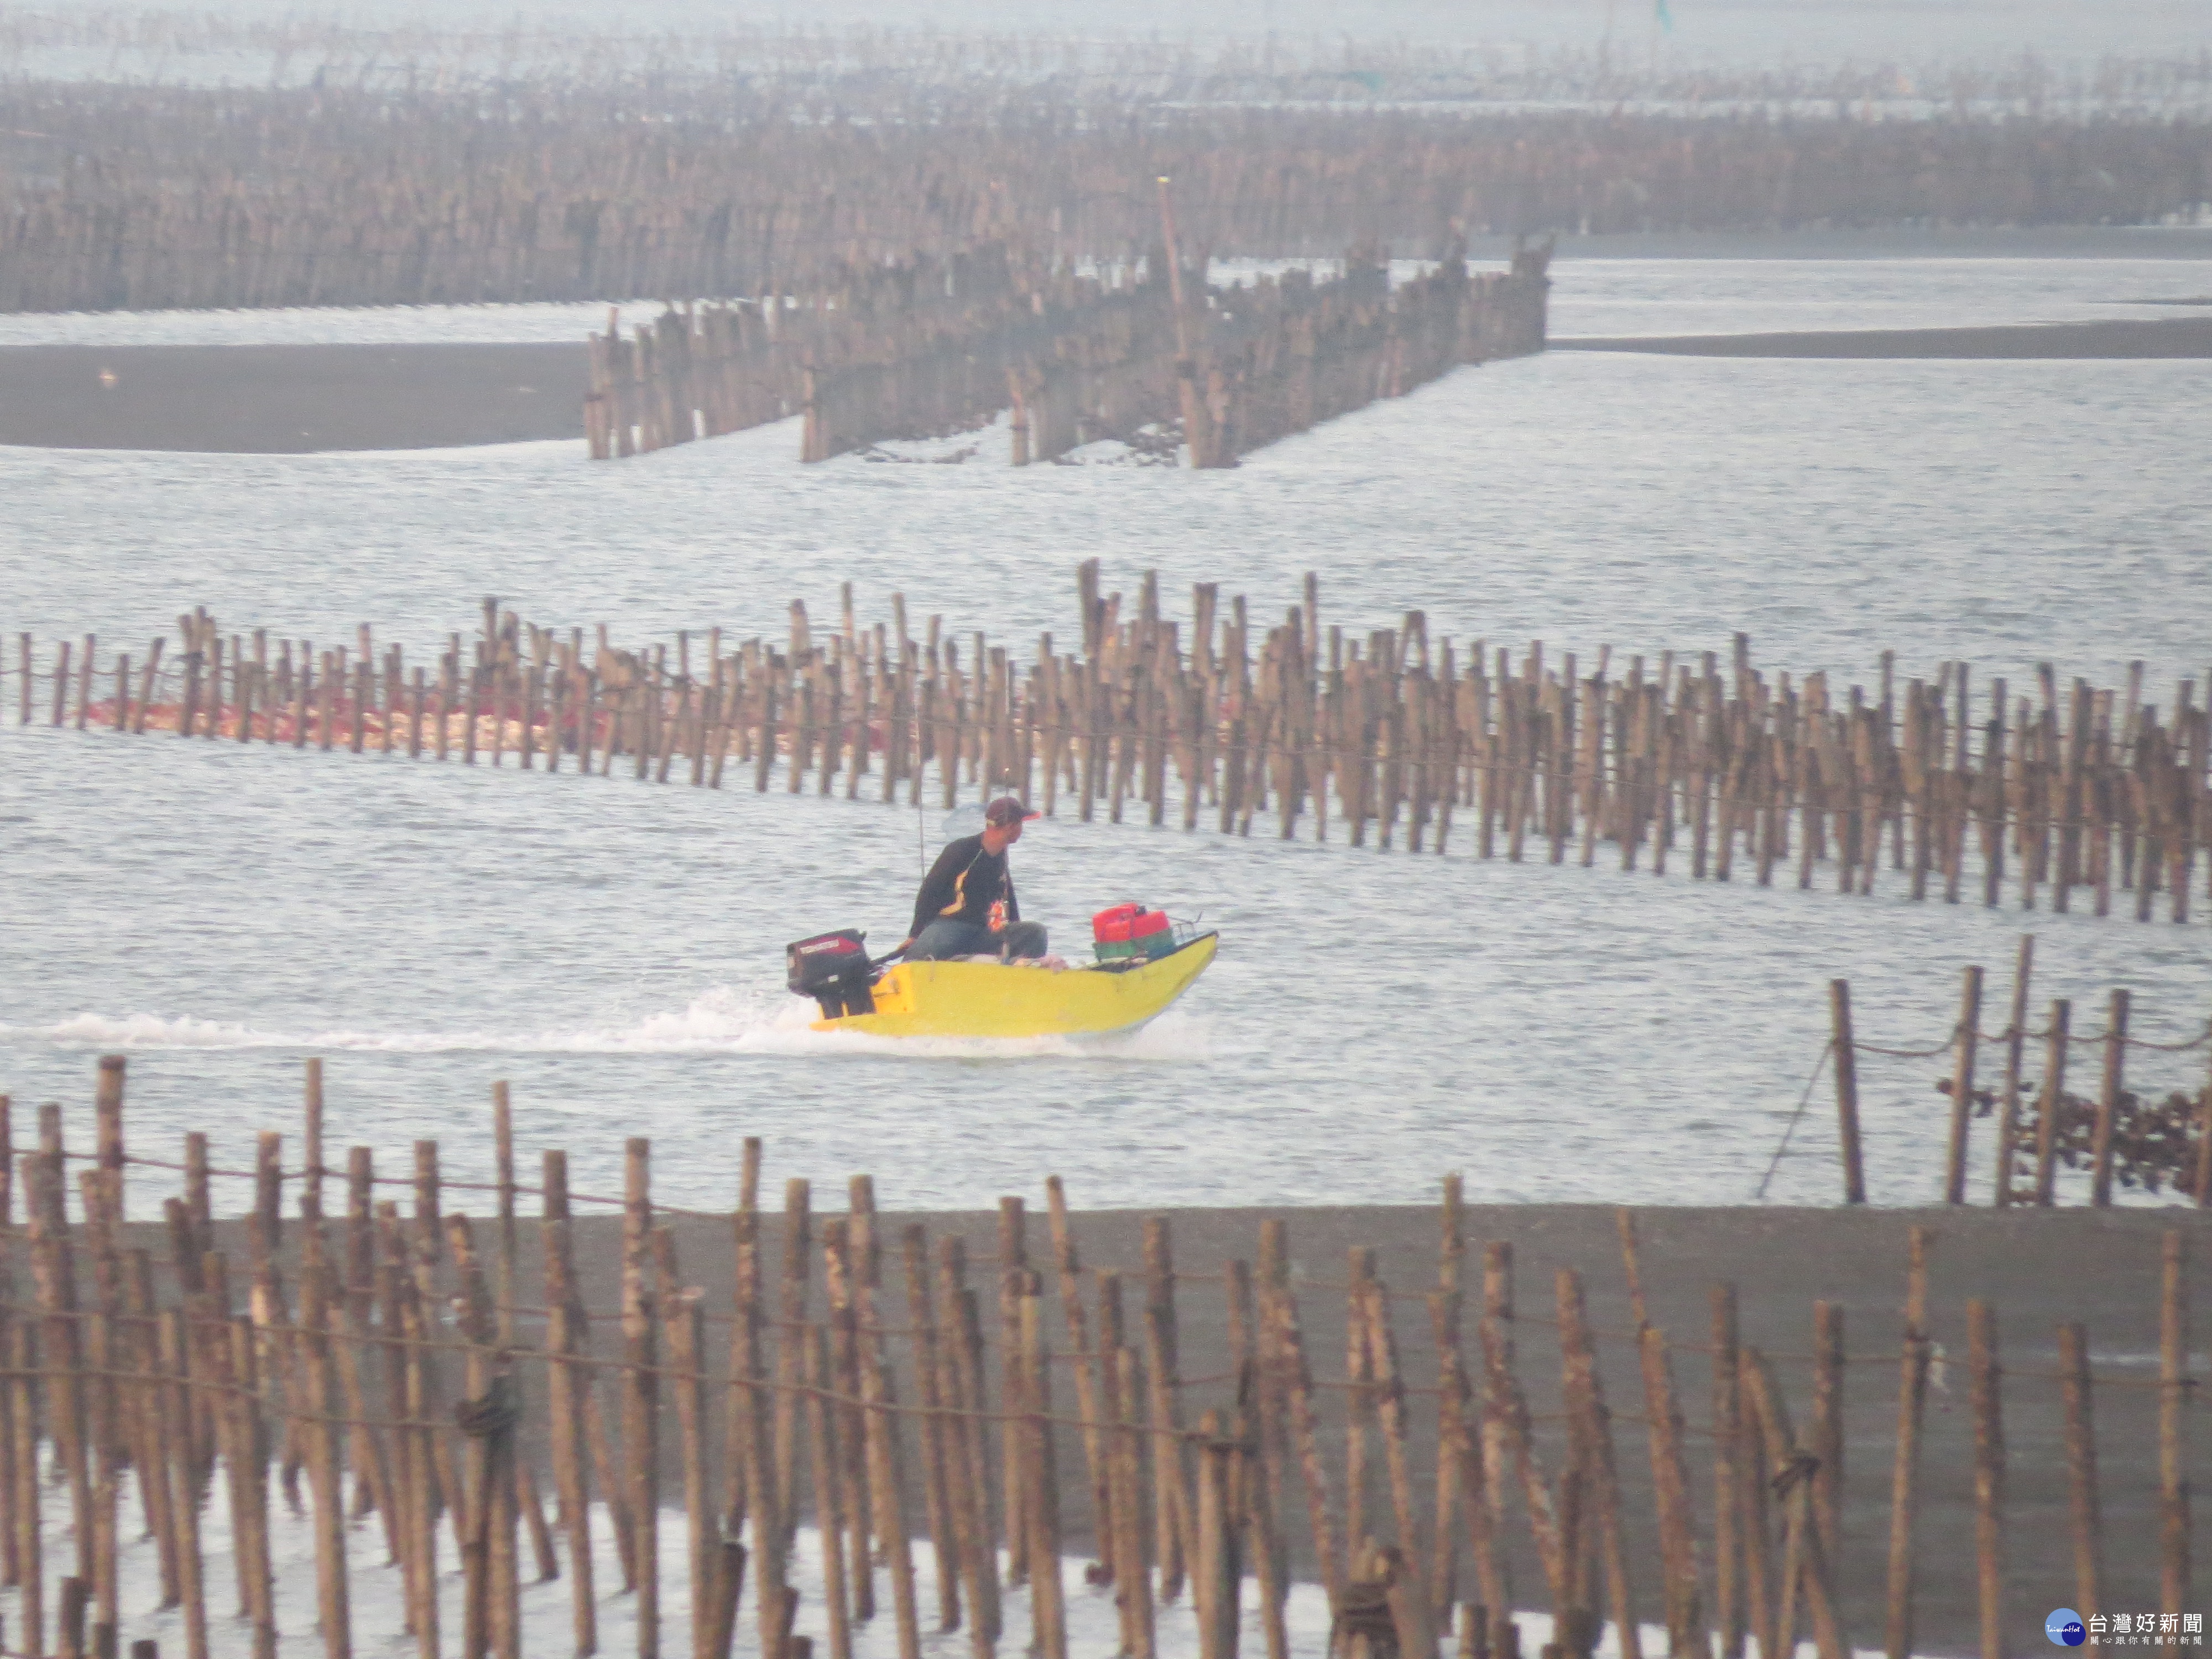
[(721, 1020)]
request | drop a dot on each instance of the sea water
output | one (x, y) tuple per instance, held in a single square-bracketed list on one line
[(613, 950)]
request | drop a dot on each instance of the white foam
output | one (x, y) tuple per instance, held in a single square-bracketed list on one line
[(721, 1020)]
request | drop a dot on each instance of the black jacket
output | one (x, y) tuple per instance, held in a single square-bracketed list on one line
[(967, 884)]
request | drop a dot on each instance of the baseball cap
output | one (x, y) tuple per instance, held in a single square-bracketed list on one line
[(1007, 810)]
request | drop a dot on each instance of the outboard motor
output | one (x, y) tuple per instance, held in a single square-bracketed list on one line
[(834, 970)]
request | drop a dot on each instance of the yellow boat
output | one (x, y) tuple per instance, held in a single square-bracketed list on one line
[(993, 1000)]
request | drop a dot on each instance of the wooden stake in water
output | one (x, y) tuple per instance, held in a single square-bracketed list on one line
[(2108, 1099), (791, 1315), (1845, 1054), (325, 1460), (1806, 1568), (1989, 1474), (1215, 1572), (1968, 1044), (886, 1461), (2016, 1039), (1826, 1430), (1390, 1411), (1905, 1473), (2053, 1100), (1132, 1577), (565, 1386), (1046, 1595), (2084, 1508), (1586, 1400), (685, 1327), (24, 1500), (949, 1541), (828, 1484), (641, 1390), (2174, 1384), (1728, 1489), (1670, 1479), (1170, 1472), (1079, 1356), (970, 1457)]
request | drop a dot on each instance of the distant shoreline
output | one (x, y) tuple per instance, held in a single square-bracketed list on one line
[(306, 399), (2165, 337), (2177, 242)]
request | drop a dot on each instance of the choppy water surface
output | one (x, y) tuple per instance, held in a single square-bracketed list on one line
[(613, 949)]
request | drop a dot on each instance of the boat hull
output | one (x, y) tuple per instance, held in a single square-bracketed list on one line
[(986, 1000)]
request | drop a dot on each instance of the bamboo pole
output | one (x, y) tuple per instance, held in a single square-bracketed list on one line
[(1586, 1402), (1132, 1577), (1391, 1412), (2108, 1099), (683, 1324), (1905, 1473), (970, 1455), (325, 1460), (791, 1315), (2174, 1383), (1360, 1397), (1968, 1041), (1507, 1408), (640, 1391), (2052, 1102), (1989, 1475), (1286, 1343), (885, 1453), (54, 1279), (948, 1544), (1080, 1355), (1807, 1570), (566, 1383), (2084, 1508), (24, 1500), (1451, 1401), (1048, 1596), (1215, 1568), (1826, 1432), (827, 1469), (1670, 1479), (420, 1475), (2016, 1039), (1845, 1051), (1728, 1480), (742, 1403), (248, 1454), (846, 1365), (1170, 1473)]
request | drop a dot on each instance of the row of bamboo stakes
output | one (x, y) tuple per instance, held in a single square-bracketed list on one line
[(927, 348), (702, 371), (573, 188), (2028, 1135), (338, 1363), (2072, 794)]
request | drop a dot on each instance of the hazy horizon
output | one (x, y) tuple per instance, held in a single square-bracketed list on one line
[(1736, 32)]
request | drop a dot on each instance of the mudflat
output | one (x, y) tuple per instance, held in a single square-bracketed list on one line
[(2121, 338), (289, 399), (296, 399), (2036, 1268)]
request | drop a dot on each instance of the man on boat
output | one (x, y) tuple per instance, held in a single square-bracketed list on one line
[(966, 906)]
